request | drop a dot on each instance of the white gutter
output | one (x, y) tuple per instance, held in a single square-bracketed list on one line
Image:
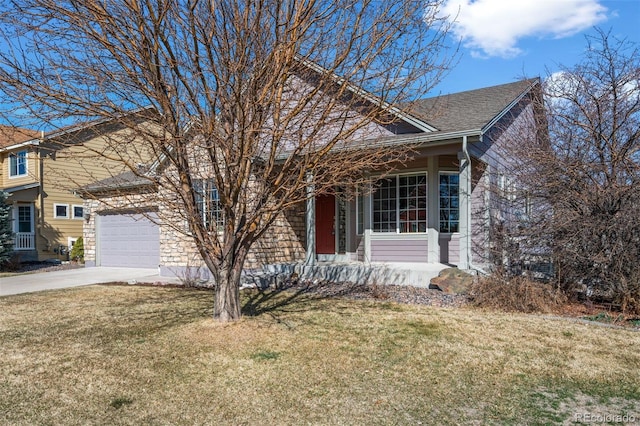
[(20, 145), (13, 189)]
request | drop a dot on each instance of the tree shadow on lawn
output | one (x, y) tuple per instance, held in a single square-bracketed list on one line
[(299, 296)]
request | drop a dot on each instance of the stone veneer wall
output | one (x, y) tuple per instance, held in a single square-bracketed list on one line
[(283, 242)]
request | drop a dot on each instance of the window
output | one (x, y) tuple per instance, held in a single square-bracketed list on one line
[(400, 204), (449, 202), (359, 213), (78, 212), (61, 211), (24, 219), (208, 202), (18, 164)]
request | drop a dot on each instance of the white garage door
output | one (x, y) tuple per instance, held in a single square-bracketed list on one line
[(128, 241)]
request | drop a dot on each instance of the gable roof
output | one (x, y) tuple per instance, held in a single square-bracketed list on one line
[(10, 135), (406, 116), (472, 110), (448, 116)]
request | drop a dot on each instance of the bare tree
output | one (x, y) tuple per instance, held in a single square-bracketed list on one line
[(580, 185), (265, 98)]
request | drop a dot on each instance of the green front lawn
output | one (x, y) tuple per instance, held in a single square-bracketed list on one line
[(145, 355)]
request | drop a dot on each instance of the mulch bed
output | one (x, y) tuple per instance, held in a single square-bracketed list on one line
[(33, 267), (390, 293)]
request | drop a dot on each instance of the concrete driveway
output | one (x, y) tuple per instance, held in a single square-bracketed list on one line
[(28, 283)]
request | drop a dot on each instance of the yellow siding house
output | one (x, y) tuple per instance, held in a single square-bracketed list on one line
[(40, 172)]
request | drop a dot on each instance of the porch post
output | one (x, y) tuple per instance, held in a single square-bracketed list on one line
[(310, 218), (433, 210), (464, 191)]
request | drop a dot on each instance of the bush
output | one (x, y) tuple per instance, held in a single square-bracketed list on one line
[(515, 294), (12, 264), (77, 251), (628, 294)]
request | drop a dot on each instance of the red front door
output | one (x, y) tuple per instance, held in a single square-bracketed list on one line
[(325, 224)]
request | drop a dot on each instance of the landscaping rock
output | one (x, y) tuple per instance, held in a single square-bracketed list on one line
[(452, 281)]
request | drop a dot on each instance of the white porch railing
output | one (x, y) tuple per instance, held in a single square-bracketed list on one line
[(25, 241)]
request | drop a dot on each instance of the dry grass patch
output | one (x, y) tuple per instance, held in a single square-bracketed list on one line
[(142, 355)]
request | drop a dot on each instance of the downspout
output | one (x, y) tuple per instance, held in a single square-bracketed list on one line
[(41, 195), (465, 152)]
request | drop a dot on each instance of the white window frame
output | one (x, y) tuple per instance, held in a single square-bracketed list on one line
[(55, 211), (361, 211), (15, 156), (397, 198), (450, 173), (208, 204), (73, 212), (70, 242), (16, 217)]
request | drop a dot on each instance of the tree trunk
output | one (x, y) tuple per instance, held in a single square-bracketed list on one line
[(227, 299)]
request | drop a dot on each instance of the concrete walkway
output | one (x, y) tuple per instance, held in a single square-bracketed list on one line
[(28, 283)]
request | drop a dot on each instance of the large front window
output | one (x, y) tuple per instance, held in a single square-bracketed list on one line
[(449, 202), (400, 204), (18, 164), (208, 202)]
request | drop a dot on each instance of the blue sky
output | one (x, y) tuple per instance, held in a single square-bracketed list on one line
[(504, 40)]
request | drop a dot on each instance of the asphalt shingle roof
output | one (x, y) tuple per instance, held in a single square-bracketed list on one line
[(470, 110), (124, 180), (465, 111), (10, 135)]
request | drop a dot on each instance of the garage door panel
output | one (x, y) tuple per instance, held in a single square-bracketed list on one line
[(128, 241)]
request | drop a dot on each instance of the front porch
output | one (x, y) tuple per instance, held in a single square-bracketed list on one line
[(418, 219), (24, 241), (378, 273)]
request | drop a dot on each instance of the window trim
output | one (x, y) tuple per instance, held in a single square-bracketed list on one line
[(17, 221), (73, 212), (55, 211), (397, 176), (361, 211), (209, 207), (14, 157), (450, 173)]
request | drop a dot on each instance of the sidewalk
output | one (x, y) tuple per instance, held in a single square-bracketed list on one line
[(27, 283)]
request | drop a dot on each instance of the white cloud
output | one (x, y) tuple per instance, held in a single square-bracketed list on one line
[(494, 27)]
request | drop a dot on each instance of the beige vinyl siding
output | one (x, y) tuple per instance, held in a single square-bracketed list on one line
[(400, 249), (66, 168), (32, 169)]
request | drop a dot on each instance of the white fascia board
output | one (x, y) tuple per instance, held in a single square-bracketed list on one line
[(21, 187), (32, 142)]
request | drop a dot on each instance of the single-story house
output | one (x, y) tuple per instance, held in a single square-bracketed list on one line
[(436, 210)]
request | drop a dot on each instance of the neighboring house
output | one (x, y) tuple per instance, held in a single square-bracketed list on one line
[(436, 210), (40, 172)]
